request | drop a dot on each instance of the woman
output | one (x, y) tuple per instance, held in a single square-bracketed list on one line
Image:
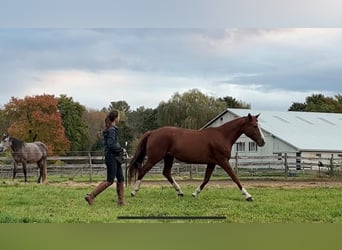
[(113, 152)]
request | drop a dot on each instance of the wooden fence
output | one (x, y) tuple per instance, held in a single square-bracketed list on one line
[(92, 164)]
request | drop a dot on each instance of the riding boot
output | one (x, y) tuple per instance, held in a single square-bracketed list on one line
[(101, 187), (120, 192)]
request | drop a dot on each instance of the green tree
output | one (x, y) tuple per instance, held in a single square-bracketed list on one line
[(190, 110), (231, 102), (4, 122), (95, 123), (120, 106), (142, 120), (339, 98), (297, 106), (319, 103), (74, 123)]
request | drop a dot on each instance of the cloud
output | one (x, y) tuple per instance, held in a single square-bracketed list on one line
[(147, 66)]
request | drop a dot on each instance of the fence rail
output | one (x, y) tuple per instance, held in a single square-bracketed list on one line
[(93, 164)]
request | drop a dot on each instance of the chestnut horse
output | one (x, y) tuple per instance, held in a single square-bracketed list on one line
[(23, 152), (211, 146)]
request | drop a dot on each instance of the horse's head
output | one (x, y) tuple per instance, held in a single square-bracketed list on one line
[(252, 130), (5, 142)]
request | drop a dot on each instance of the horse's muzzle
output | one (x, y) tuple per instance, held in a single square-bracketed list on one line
[(261, 143)]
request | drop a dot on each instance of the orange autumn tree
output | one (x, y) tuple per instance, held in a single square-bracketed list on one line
[(36, 118)]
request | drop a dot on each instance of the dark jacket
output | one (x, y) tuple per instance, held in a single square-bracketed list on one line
[(111, 141)]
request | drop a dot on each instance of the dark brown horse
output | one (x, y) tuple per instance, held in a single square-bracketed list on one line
[(24, 153), (211, 146)]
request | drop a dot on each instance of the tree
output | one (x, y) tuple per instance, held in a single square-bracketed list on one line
[(120, 106), (37, 118), (319, 103), (74, 123), (339, 98), (4, 121), (190, 110), (297, 106), (142, 120), (95, 124), (231, 102)]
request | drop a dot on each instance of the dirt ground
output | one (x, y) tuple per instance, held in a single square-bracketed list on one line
[(225, 183)]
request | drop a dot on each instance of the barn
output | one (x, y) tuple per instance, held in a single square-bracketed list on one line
[(311, 138)]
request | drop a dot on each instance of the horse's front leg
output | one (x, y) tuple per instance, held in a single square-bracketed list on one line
[(208, 172), (168, 162), (15, 166), (226, 166)]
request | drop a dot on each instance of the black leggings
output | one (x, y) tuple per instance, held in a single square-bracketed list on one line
[(114, 169)]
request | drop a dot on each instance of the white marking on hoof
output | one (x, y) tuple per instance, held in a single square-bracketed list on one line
[(136, 188), (197, 191), (177, 188), (246, 194)]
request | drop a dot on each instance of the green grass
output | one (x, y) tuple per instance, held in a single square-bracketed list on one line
[(33, 203)]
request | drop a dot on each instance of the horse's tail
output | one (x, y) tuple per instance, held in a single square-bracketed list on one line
[(138, 157)]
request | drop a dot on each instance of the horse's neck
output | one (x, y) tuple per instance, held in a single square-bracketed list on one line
[(232, 130), (17, 144)]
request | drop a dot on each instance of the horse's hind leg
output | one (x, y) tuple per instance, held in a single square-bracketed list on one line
[(142, 171), (24, 170), (40, 167), (208, 172), (42, 170), (168, 161)]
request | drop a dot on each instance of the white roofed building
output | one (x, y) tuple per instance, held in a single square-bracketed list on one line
[(303, 134)]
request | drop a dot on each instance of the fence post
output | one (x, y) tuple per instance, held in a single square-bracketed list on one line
[(190, 172), (91, 167), (286, 165), (331, 165)]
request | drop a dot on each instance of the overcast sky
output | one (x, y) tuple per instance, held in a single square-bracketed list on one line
[(267, 68)]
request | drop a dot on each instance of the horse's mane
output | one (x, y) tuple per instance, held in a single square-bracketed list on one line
[(16, 143)]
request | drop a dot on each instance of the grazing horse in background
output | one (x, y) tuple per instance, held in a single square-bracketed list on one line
[(211, 146), (23, 152)]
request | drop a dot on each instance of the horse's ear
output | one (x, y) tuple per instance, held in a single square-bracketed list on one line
[(257, 115), (249, 116)]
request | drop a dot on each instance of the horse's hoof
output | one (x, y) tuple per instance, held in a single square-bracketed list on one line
[(194, 195), (180, 195), (249, 199), (132, 194)]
